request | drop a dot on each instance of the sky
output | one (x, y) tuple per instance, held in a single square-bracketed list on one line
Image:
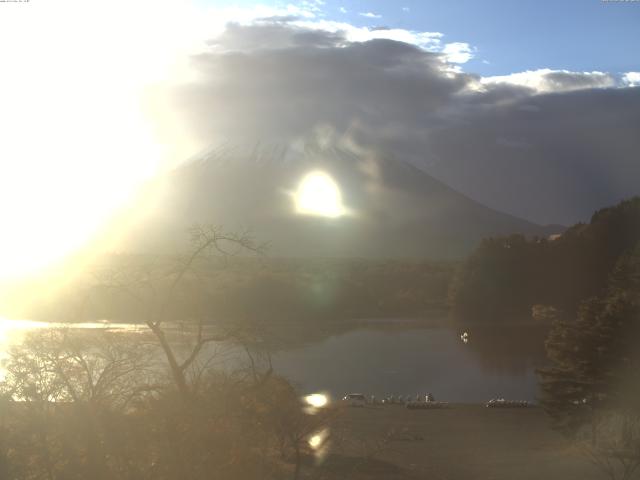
[(506, 36), (530, 108)]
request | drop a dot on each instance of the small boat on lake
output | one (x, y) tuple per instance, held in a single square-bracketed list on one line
[(502, 403)]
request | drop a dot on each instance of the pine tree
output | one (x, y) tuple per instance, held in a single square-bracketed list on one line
[(594, 357)]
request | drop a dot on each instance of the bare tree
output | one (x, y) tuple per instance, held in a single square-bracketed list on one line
[(612, 444), (169, 292), (83, 377), (101, 405)]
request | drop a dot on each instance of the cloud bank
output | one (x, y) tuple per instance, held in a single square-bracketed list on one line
[(548, 81), (547, 145)]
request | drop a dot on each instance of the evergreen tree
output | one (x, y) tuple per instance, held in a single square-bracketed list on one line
[(594, 357), (506, 276)]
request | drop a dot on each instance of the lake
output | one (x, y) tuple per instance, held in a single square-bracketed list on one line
[(395, 357), (494, 361)]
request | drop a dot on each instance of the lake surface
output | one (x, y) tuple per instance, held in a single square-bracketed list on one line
[(402, 360), (493, 362)]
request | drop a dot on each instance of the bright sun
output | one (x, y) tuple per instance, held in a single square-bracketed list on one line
[(77, 142), (318, 194)]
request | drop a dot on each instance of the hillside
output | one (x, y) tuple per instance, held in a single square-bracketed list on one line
[(507, 276), (396, 210)]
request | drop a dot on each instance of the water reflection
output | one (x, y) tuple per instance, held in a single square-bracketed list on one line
[(315, 441), (498, 361), (506, 350), (317, 400), (383, 361)]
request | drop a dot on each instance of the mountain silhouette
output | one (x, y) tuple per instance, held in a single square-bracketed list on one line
[(395, 209)]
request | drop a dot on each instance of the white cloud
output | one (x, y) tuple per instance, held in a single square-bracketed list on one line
[(631, 79), (405, 9), (458, 52), (546, 80), (314, 6), (426, 40), (306, 15), (213, 20)]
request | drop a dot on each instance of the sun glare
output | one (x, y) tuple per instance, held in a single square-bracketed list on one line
[(77, 142), (317, 400), (318, 194)]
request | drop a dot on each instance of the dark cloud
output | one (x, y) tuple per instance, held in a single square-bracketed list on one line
[(273, 33), (582, 154), (551, 157), (287, 89)]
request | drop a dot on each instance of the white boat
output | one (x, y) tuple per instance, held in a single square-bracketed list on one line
[(354, 400), (502, 403)]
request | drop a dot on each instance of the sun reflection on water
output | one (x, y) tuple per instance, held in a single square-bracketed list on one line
[(319, 443), (317, 400)]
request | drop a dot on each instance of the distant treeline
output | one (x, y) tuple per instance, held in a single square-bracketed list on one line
[(257, 288), (336, 289), (505, 277)]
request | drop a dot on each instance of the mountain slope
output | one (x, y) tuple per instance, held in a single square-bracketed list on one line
[(396, 209)]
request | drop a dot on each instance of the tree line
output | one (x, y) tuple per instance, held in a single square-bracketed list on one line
[(233, 287), (505, 277), (586, 286)]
